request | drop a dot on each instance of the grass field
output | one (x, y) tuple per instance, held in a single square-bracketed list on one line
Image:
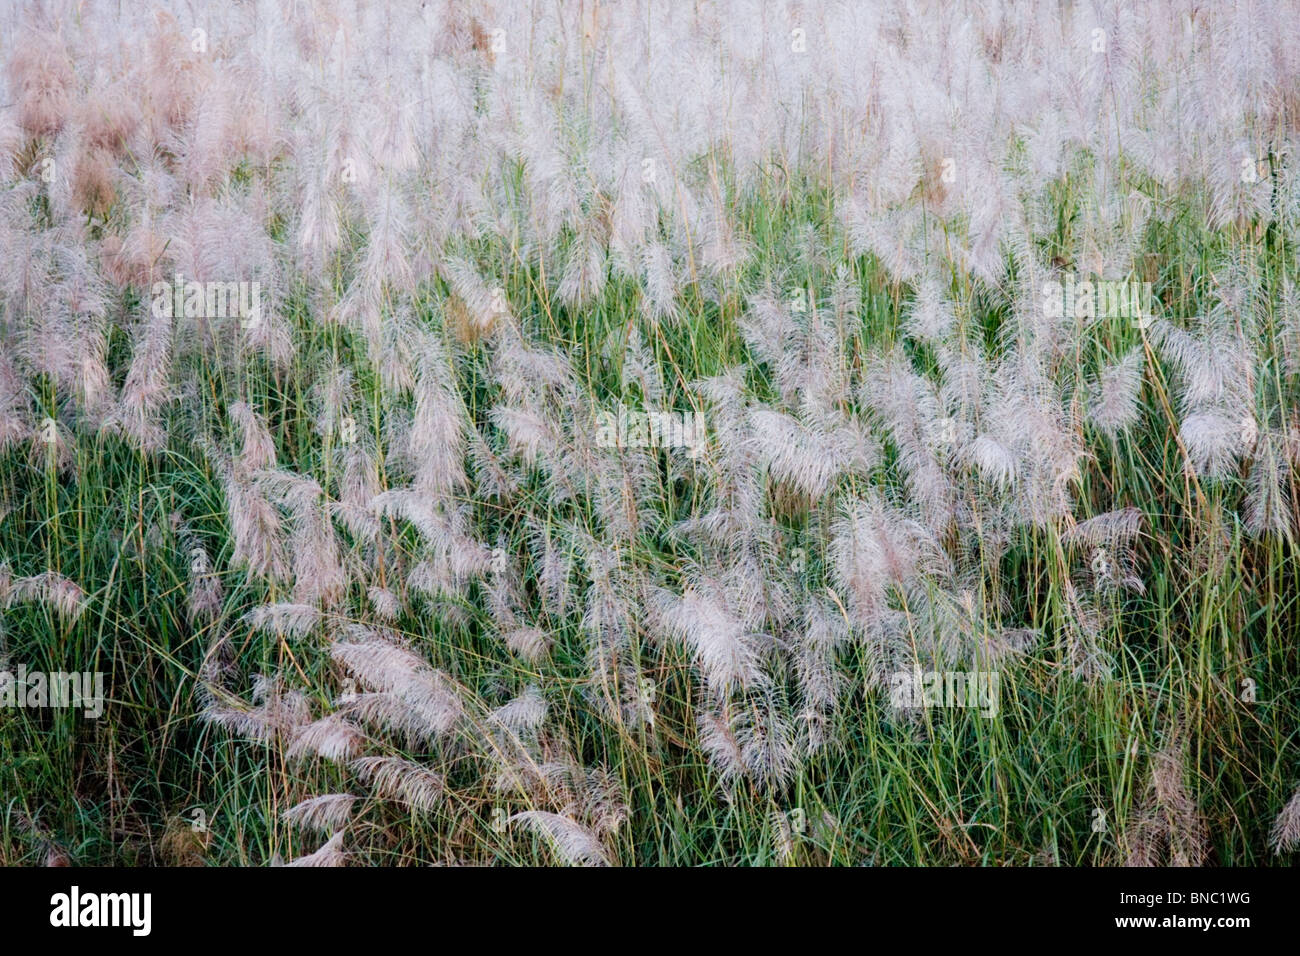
[(642, 434)]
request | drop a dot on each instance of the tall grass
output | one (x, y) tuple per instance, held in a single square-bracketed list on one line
[(368, 585)]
